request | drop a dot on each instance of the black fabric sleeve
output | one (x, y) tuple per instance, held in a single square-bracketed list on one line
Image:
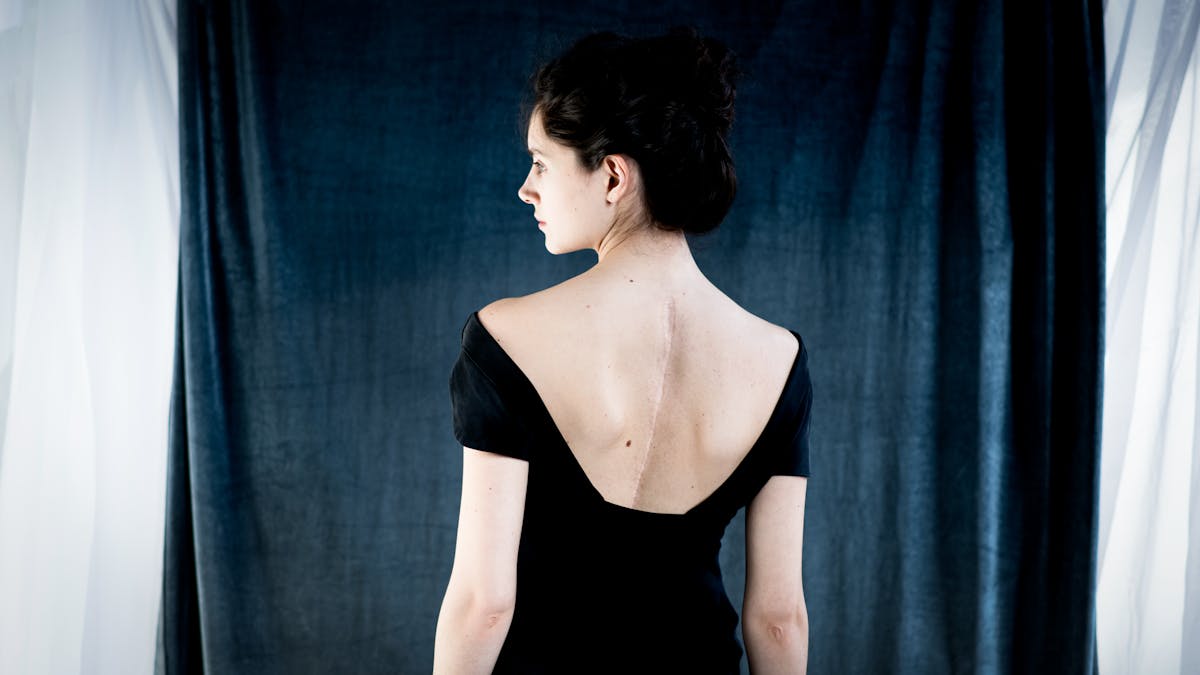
[(792, 459), (482, 418)]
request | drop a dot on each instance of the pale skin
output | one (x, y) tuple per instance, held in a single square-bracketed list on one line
[(630, 316)]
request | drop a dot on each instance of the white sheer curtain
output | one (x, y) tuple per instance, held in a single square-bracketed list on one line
[(1148, 585), (89, 221)]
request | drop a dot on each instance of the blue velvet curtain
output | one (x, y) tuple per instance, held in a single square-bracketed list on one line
[(920, 197)]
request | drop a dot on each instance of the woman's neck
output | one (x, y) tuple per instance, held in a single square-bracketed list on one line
[(648, 253)]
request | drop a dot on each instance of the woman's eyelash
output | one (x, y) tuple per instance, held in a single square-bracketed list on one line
[(539, 165)]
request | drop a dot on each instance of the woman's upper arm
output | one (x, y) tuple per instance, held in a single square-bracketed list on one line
[(774, 547), (489, 529)]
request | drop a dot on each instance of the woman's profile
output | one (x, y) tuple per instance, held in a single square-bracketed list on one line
[(613, 424)]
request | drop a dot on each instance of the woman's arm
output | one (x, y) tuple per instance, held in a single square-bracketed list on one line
[(774, 614), (478, 607)]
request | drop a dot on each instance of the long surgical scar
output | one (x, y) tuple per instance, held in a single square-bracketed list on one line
[(669, 332)]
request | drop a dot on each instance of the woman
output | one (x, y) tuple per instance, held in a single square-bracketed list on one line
[(613, 424)]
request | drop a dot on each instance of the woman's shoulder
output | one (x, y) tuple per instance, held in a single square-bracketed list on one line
[(503, 317), (552, 304), (744, 327), (581, 306)]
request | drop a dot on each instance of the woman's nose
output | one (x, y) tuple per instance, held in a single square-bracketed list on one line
[(524, 195)]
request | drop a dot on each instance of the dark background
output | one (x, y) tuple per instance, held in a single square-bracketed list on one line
[(919, 198)]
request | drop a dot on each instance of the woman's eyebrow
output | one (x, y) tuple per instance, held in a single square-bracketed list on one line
[(533, 150)]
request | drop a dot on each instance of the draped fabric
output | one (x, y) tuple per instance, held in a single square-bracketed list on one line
[(89, 208), (1149, 536), (920, 197)]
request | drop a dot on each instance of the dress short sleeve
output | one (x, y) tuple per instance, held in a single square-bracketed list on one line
[(481, 402), (792, 458)]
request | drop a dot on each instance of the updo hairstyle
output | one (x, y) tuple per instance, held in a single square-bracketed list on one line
[(666, 101)]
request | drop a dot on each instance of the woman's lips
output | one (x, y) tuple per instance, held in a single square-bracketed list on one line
[(541, 223)]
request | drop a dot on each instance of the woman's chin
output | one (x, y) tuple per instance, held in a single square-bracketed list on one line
[(556, 248)]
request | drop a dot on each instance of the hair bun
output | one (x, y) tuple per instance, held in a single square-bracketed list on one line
[(711, 70)]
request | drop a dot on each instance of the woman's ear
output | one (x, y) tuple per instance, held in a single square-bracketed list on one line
[(619, 171)]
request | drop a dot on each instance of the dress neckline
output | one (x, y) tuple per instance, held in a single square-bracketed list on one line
[(767, 431)]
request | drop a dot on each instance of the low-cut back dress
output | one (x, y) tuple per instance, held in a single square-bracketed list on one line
[(604, 588)]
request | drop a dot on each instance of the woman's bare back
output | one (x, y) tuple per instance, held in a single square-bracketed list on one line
[(659, 390)]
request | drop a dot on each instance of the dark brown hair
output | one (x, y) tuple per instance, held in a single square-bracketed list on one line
[(666, 101)]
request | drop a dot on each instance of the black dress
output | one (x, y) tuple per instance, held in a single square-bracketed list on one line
[(603, 588)]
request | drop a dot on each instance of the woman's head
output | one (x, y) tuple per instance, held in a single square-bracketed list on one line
[(633, 129)]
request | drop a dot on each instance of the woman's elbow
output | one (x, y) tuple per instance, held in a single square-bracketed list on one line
[(487, 608), (470, 632), (782, 626), (777, 641), (497, 615), (480, 597), (491, 604)]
